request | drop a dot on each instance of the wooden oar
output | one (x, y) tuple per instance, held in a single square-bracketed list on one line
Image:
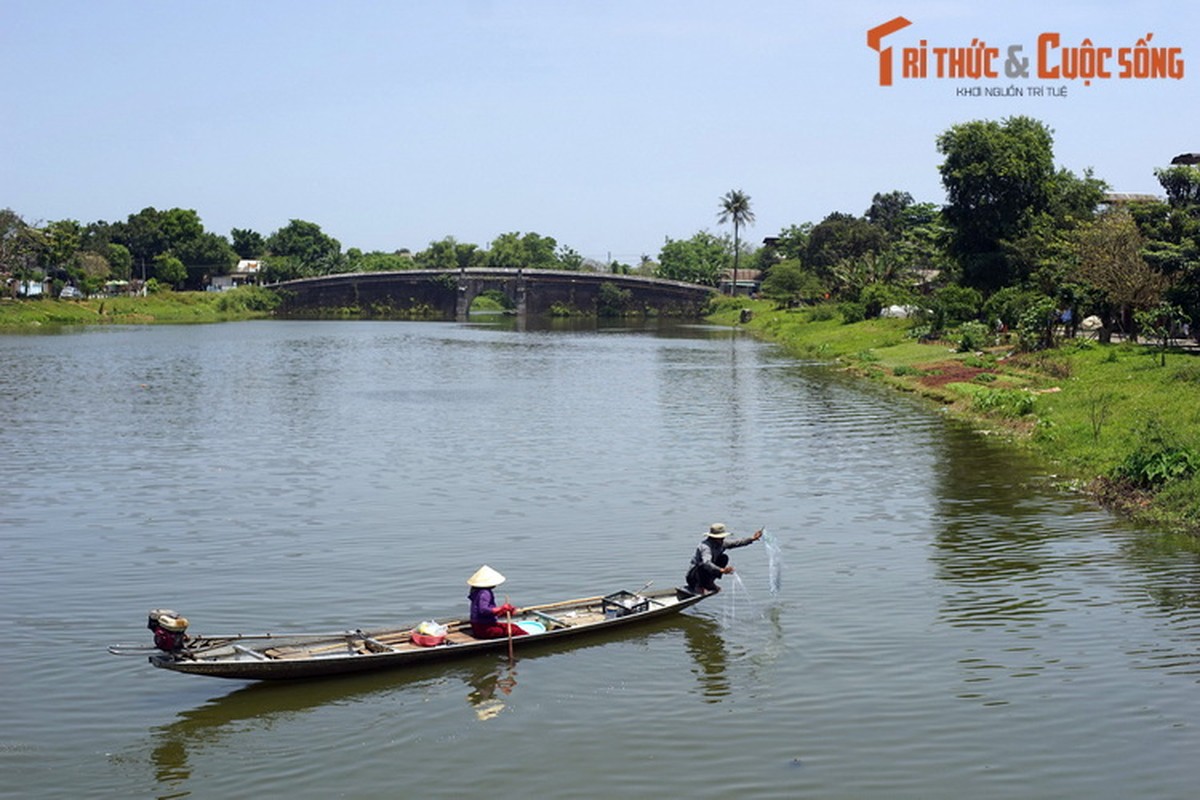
[(508, 616)]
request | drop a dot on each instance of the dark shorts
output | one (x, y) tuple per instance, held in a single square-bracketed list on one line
[(700, 579)]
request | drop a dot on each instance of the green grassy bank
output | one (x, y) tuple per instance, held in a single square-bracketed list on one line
[(161, 307), (1111, 420)]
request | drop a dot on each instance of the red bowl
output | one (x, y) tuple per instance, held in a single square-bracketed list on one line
[(425, 640)]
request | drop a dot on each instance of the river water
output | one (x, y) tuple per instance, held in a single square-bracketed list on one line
[(947, 622)]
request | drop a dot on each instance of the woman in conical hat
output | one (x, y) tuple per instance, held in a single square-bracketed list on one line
[(485, 614)]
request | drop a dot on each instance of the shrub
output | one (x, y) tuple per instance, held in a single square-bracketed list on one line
[(954, 305), (822, 313), (852, 312), (1158, 459), (973, 336), (247, 298), (877, 296), (1008, 403), (1035, 330), (1009, 304)]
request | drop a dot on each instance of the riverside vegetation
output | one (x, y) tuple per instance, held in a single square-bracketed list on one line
[(1117, 421), (250, 302)]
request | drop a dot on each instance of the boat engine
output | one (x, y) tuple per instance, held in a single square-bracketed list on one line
[(168, 628)]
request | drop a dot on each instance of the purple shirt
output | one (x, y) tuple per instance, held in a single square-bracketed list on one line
[(482, 603)]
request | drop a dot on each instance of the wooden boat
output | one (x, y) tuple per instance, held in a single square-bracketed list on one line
[(282, 657)]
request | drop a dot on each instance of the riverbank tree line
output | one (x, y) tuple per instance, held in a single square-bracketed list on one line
[(1019, 244)]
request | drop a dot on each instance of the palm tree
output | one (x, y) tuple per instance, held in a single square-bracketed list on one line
[(735, 208)]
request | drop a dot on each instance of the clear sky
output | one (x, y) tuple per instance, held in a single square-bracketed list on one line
[(607, 124)]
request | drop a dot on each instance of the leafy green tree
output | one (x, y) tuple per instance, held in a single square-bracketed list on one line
[(1182, 185), (1160, 324), (120, 261), (62, 240), (177, 232), (1007, 306), (788, 283), (301, 249), (248, 244), (998, 178), (735, 208), (701, 259), (441, 254), (378, 261), (569, 259), (169, 270), (449, 253), (206, 251), (954, 305), (792, 242), (531, 251), (837, 242), (887, 211), (91, 271)]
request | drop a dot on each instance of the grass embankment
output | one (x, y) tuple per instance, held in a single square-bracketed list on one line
[(161, 307), (1111, 419)]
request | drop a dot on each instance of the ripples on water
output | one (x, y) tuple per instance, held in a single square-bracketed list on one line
[(949, 624)]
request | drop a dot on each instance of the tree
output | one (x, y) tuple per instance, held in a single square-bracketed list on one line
[(1181, 183), (887, 210), (1160, 323), (789, 283), (169, 270), (448, 253), (792, 241), (838, 241), (569, 259), (301, 250), (247, 243), (700, 259), (377, 261), (120, 261), (735, 208), (62, 239), (91, 271), (998, 178), (1109, 253), (177, 232), (531, 251), (19, 245)]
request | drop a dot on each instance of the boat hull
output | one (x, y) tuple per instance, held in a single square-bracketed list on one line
[(272, 658)]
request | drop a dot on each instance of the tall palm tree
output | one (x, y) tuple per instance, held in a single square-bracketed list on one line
[(735, 208)]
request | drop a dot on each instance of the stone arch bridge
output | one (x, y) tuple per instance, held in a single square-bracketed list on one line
[(448, 294)]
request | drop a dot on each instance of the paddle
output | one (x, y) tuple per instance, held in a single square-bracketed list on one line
[(508, 619)]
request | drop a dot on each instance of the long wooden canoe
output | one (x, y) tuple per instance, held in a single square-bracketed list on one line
[(282, 657)]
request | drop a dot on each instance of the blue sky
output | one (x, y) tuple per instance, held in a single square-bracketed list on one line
[(608, 125)]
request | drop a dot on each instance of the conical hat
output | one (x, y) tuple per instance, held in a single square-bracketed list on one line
[(485, 578)]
